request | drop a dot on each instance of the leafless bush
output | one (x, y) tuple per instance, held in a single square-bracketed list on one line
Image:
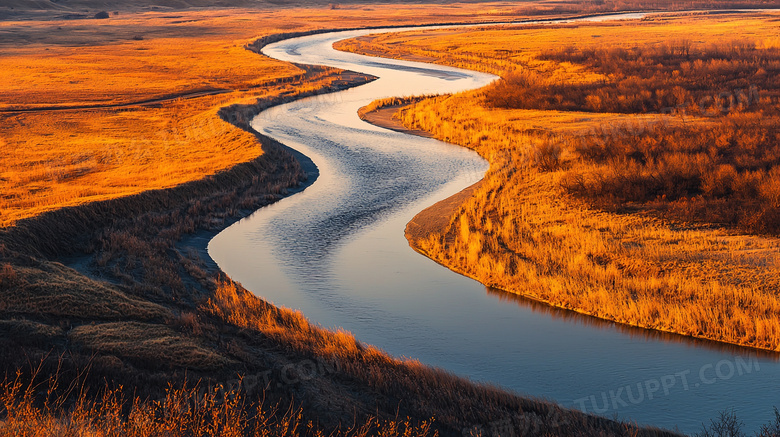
[(771, 429), (727, 425), (7, 276), (547, 155)]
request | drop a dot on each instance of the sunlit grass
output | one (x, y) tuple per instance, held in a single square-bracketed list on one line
[(55, 159), (47, 407), (523, 232)]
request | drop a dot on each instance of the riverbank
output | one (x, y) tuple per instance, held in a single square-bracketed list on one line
[(436, 217), (144, 311), (384, 117), (110, 128), (525, 233)]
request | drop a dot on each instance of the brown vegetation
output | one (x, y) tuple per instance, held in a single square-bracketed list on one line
[(668, 77), (144, 311), (99, 109), (722, 171), (727, 173), (186, 411), (544, 224)]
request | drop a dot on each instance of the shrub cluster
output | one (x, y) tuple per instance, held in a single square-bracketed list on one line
[(726, 173), (669, 77)]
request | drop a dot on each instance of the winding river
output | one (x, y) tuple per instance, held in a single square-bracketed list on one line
[(337, 252)]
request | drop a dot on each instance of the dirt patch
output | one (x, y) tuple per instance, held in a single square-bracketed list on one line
[(384, 117), (435, 218)]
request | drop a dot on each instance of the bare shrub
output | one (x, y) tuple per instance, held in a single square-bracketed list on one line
[(771, 429), (189, 322), (39, 408), (547, 155), (7, 276), (726, 425)]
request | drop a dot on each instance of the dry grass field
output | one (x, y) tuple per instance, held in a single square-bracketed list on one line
[(98, 114), (653, 244), (157, 66), (143, 91)]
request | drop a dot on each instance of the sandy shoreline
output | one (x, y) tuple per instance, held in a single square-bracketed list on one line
[(383, 117)]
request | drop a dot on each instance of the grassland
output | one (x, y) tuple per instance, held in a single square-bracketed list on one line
[(115, 173), (148, 313), (143, 91), (553, 219)]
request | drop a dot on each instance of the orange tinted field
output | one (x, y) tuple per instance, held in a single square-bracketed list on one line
[(52, 159), (132, 57), (522, 231), (505, 49)]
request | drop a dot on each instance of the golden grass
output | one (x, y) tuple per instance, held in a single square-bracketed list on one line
[(505, 49), (53, 159), (522, 232), (82, 156), (45, 407), (137, 56), (241, 308), (65, 158)]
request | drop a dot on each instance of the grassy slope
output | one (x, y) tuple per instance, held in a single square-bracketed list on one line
[(523, 233), (144, 311)]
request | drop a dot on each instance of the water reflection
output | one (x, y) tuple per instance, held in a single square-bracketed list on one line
[(576, 318), (337, 252)]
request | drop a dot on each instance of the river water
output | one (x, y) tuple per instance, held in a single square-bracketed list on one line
[(337, 252)]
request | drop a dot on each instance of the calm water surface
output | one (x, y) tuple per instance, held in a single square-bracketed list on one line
[(337, 252)]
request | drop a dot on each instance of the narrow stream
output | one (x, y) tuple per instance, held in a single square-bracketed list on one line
[(337, 252)]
